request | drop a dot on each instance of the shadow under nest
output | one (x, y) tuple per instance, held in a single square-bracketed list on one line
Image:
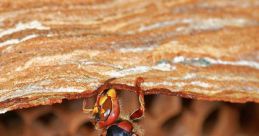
[(164, 116)]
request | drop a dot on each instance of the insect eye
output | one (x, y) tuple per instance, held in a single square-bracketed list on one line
[(104, 108), (115, 130)]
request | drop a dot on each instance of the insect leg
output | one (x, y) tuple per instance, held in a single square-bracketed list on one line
[(139, 112)]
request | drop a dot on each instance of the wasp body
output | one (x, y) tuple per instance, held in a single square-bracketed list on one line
[(106, 111)]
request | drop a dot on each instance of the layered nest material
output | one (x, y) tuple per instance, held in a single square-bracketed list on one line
[(55, 50)]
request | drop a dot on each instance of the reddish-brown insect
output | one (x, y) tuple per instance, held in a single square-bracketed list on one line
[(106, 111)]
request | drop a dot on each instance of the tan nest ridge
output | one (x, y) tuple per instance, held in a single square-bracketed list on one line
[(51, 51)]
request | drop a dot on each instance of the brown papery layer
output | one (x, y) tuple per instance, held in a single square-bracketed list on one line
[(51, 51)]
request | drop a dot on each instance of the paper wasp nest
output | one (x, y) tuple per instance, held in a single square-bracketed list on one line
[(198, 49)]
